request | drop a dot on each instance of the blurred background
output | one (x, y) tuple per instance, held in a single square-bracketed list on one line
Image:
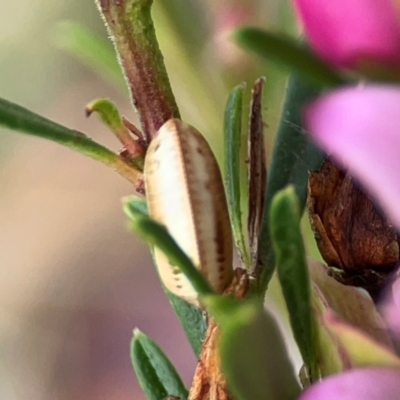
[(74, 282)]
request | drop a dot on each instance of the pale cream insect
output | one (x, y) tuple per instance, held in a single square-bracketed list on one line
[(185, 193)]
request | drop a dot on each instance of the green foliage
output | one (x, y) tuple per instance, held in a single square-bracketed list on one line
[(288, 52), (157, 235), (192, 320), (293, 274), (20, 119), (253, 355), (134, 205), (190, 317), (232, 143), (107, 112), (109, 115), (155, 372), (293, 155)]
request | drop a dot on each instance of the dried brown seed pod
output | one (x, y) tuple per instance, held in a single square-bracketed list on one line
[(351, 233)]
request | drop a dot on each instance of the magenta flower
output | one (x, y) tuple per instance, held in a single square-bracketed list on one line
[(347, 33), (363, 383), (360, 129)]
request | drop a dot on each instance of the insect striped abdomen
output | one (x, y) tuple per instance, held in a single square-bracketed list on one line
[(185, 193)]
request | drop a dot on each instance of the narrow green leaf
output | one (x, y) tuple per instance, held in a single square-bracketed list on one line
[(155, 372), (232, 142), (133, 205), (293, 274), (157, 235), (253, 354), (286, 51), (108, 113), (110, 116), (91, 49), (20, 119), (293, 156), (190, 317)]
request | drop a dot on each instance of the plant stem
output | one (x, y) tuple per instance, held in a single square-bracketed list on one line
[(131, 28)]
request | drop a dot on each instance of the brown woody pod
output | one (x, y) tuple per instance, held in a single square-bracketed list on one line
[(351, 233)]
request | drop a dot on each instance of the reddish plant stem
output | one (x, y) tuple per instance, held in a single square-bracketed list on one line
[(131, 28)]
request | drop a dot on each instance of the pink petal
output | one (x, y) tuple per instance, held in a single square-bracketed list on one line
[(357, 384), (360, 129), (343, 31)]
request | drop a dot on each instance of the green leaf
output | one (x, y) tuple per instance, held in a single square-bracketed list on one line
[(252, 352), (290, 53), (361, 349), (155, 372), (15, 117), (332, 357), (91, 49), (109, 115), (293, 274), (190, 317), (293, 156), (157, 235), (232, 142), (133, 205)]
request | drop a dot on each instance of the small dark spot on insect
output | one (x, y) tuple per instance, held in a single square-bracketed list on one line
[(199, 150), (179, 286), (157, 147)]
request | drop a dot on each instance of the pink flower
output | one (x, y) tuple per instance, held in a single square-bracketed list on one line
[(348, 32), (359, 127), (366, 383), (374, 383), (357, 384)]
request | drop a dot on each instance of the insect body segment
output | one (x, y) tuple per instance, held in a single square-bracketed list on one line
[(185, 193)]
